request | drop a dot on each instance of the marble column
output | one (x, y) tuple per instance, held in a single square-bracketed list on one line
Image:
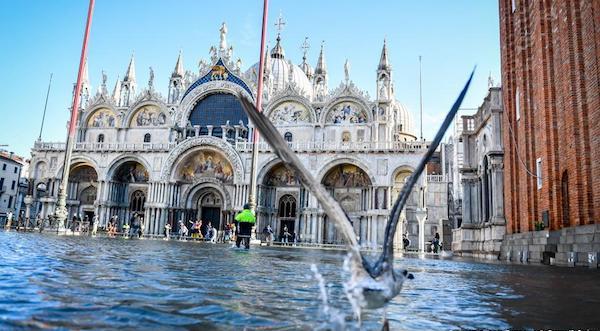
[(421, 215)]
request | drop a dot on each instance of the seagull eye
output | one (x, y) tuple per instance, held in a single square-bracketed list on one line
[(410, 276), (405, 272)]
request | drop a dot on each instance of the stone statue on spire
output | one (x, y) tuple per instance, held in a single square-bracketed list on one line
[(347, 71), (104, 80), (151, 79), (223, 43)]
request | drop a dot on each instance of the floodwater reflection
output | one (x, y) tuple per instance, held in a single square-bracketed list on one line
[(48, 281)]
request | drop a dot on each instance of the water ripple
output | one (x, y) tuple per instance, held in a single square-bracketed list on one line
[(51, 282)]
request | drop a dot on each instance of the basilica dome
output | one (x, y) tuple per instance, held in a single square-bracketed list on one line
[(402, 118), (278, 72)]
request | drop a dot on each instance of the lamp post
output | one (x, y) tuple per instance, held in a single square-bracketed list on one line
[(61, 212)]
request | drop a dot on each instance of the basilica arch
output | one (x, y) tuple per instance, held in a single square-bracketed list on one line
[(82, 191), (182, 150), (197, 93), (147, 113), (358, 111), (352, 187), (281, 198), (127, 182)]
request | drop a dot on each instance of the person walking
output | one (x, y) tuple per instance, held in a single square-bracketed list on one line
[(94, 225), (9, 218), (183, 230), (271, 234), (167, 231), (141, 228), (39, 222), (246, 220), (286, 235), (436, 242)]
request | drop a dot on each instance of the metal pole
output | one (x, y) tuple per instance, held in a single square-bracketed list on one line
[(45, 106), (420, 98), (259, 89), (61, 206)]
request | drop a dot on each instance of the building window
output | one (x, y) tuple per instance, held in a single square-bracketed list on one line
[(16, 169), (1, 184), (518, 104), (288, 137), (101, 138), (514, 5), (4, 166), (147, 138), (538, 172), (10, 198), (12, 187)]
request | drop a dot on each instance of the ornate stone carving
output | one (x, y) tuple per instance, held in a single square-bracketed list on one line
[(291, 112), (204, 141)]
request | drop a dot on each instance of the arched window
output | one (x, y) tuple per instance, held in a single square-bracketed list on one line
[(288, 137), (101, 138), (138, 199), (147, 138), (287, 206)]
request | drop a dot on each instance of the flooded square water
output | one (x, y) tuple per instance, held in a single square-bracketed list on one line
[(59, 282)]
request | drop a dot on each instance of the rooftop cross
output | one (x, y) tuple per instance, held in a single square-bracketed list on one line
[(279, 24), (305, 46)]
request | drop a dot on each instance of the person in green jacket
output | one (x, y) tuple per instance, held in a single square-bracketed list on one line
[(246, 220)]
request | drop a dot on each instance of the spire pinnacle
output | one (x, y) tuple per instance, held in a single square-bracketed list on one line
[(321, 66), (384, 63), (130, 75), (117, 91), (178, 71)]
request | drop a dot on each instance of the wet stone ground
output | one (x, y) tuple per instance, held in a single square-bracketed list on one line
[(53, 282)]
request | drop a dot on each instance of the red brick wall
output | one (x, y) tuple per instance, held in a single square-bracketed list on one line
[(551, 54)]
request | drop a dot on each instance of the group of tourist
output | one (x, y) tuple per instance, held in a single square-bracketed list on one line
[(196, 231), (135, 227), (287, 237)]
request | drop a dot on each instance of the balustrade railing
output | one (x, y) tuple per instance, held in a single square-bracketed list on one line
[(242, 146), (106, 146)]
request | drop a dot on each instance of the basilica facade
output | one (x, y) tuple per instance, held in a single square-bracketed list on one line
[(187, 156)]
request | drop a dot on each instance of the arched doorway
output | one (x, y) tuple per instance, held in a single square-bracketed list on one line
[(277, 193), (210, 208), (82, 192), (350, 186), (128, 189), (287, 214)]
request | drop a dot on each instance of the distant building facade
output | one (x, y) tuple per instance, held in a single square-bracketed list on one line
[(483, 223), (550, 74), (11, 169)]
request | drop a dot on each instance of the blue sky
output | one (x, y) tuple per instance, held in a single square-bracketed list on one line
[(40, 37)]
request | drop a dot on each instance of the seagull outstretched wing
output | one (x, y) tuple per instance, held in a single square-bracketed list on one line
[(330, 206), (289, 158)]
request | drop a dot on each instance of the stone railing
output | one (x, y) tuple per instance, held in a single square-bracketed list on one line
[(437, 178), (324, 146), (105, 147), (242, 146)]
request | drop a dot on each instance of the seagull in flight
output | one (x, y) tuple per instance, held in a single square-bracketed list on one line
[(372, 283)]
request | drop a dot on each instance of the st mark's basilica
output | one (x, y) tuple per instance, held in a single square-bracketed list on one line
[(187, 155)]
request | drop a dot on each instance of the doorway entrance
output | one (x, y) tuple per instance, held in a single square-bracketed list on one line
[(287, 216), (210, 215), (209, 209)]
